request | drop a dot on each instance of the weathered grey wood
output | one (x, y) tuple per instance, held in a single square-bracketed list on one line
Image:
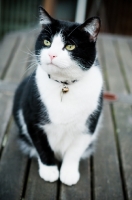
[(18, 65), (123, 119), (13, 164), (106, 166), (114, 37), (5, 114), (126, 60), (7, 49), (12, 168), (80, 191), (112, 66), (37, 188), (7, 87), (113, 157), (130, 45)]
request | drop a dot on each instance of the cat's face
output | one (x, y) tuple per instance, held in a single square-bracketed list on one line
[(65, 48)]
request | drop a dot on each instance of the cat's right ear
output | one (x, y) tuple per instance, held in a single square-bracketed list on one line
[(92, 26), (44, 17)]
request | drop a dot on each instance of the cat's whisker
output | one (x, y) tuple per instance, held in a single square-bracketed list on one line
[(28, 53), (74, 42), (32, 64), (31, 53), (49, 29), (34, 29), (26, 60), (29, 68)]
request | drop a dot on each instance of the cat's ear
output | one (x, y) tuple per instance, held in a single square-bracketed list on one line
[(92, 26), (44, 17)]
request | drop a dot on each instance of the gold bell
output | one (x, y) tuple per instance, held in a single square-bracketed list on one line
[(65, 89)]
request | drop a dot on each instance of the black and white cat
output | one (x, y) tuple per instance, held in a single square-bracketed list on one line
[(58, 108)]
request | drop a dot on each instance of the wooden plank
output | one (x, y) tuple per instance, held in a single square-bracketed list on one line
[(126, 61), (107, 178), (37, 188), (18, 65), (106, 166), (130, 44), (12, 168), (7, 49), (80, 191), (7, 87), (114, 37), (122, 117), (112, 67), (5, 114)]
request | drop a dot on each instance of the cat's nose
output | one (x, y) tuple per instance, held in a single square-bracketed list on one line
[(52, 56)]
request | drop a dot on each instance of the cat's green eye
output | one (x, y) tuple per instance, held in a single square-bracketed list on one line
[(47, 43), (70, 47)]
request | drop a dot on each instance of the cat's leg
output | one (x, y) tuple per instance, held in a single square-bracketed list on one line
[(48, 172), (48, 169), (69, 173)]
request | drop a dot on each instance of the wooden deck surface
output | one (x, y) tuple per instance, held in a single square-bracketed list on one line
[(105, 176)]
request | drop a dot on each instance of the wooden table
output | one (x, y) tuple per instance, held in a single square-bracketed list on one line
[(105, 176)]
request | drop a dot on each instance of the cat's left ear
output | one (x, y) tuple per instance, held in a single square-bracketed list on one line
[(92, 26), (44, 17)]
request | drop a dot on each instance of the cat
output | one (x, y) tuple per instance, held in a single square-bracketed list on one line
[(58, 107)]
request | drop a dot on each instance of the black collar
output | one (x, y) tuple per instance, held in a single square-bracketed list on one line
[(65, 82)]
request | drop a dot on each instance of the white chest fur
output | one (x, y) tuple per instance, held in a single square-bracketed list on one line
[(68, 117)]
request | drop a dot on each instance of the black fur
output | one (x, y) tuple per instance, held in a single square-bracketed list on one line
[(85, 52), (34, 112), (27, 97), (92, 120)]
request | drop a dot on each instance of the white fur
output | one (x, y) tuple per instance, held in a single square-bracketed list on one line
[(44, 19), (31, 151), (61, 67), (26, 149), (22, 122), (48, 173), (92, 28), (67, 133), (69, 174)]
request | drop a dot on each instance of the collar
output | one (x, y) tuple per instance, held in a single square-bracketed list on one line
[(63, 82)]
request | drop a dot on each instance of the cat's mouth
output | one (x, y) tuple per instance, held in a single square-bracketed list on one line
[(53, 64)]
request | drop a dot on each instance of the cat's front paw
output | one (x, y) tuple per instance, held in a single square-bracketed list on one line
[(49, 173), (69, 175)]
